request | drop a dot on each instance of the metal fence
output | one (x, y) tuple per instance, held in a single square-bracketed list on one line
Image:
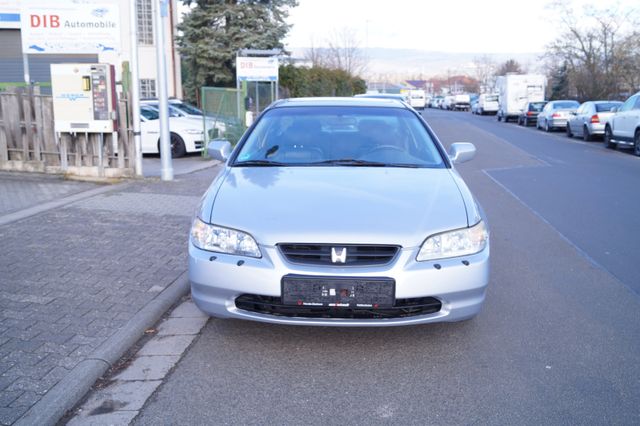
[(223, 114)]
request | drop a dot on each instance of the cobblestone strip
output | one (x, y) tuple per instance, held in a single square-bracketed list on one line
[(120, 402)]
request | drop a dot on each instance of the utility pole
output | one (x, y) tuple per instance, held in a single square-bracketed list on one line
[(135, 86), (160, 13)]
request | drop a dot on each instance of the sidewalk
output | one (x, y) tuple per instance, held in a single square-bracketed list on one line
[(81, 281)]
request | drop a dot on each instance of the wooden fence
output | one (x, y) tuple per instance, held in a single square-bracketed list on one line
[(28, 141)]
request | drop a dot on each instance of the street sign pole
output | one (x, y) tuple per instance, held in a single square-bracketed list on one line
[(160, 13)]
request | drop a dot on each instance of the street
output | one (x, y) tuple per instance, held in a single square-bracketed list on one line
[(557, 341)]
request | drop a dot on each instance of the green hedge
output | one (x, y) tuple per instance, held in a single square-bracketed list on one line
[(303, 82)]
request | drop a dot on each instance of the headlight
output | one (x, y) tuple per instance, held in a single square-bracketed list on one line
[(223, 240), (194, 131), (460, 242)]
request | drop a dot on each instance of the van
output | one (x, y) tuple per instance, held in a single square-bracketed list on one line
[(487, 103)]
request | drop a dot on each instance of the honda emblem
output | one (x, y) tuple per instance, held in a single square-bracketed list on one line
[(338, 254)]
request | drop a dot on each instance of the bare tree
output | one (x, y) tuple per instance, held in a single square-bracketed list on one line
[(510, 66), (317, 56), (597, 47), (344, 52), (485, 68)]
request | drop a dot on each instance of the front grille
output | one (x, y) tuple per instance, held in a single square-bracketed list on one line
[(357, 254), (401, 309), (198, 144)]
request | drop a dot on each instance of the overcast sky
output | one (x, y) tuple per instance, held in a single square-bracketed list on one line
[(484, 26)]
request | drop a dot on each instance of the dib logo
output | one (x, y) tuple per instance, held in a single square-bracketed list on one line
[(44, 21)]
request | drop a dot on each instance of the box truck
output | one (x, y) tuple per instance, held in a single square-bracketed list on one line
[(515, 90)]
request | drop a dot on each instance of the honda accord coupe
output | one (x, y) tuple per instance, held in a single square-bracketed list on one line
[(339, 212)]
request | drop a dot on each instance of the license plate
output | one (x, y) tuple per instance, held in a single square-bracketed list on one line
[(340, 292)]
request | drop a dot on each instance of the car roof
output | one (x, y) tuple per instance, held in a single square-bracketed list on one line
[(339, 101)]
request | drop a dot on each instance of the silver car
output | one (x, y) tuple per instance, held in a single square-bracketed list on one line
[(339, 212), (590, 118), (555, 114)]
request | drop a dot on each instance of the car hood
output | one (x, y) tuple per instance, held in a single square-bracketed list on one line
[(367, 205)]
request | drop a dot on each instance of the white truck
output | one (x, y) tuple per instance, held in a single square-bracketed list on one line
[(515, 90), (417, 98)]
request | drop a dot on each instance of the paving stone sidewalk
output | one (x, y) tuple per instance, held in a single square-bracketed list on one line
[(71, 277)]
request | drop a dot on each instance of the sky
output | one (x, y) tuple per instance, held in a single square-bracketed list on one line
[(484, 26)]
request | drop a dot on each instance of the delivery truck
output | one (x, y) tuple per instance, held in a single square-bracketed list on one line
[(515, 90)]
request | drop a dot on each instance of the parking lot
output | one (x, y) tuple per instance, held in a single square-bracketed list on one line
[(557, 341)]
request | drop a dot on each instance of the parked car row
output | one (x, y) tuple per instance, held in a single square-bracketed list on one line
[(617, 123), (459, 102)]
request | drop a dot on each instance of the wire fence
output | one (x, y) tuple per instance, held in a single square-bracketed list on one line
[(224, 115)]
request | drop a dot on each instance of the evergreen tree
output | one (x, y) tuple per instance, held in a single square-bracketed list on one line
[(560, 82), (214, 30)]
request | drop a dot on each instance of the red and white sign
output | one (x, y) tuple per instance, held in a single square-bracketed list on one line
[(256, 69), (69, 26)]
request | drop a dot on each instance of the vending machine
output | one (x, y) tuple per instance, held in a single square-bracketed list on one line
[(84, 98)]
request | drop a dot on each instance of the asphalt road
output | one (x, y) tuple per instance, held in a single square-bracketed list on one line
[(558, 341)]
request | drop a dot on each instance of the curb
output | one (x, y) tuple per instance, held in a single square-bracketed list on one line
[(73, 387)]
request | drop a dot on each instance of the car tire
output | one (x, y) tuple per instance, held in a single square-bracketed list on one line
[(499, 117), (569, 132), (636, 144), (546, 126), (178, 148), (586, 136), (607, 138)]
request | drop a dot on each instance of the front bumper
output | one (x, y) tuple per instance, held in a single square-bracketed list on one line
[(460, 287)]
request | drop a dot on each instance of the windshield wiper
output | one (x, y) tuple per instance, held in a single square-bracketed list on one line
[(349, 162), (260, 163), (361, 163)]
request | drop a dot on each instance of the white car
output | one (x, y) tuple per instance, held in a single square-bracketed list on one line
[(178, 108), (187, 134), (623, 128)]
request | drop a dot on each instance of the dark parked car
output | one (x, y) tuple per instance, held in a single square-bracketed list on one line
[(529, 114)]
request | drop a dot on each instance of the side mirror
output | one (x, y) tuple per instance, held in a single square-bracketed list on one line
[(461, 152), (614, 109), (219, 149)]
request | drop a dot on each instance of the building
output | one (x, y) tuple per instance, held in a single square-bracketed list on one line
[(11, 55)]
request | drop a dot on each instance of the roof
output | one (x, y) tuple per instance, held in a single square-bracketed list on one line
[(337, 101)]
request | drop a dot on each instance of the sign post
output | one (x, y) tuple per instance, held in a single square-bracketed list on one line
[(257, 66)]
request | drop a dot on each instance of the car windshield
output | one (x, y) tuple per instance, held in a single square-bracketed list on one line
[(606, 106), (339, 136), (173, 112), (492, 98), (565, 105), (536, 106), (188, 109), (149, 113)]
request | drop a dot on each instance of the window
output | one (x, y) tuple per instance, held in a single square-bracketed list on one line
[(149, 113), (145, 22), (147, 88), (628, 104), (333, 136)]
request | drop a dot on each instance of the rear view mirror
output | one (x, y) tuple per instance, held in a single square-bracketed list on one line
[(461, 152), (219, 149)]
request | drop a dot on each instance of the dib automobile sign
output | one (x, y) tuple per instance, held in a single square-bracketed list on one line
[(256, 69), (69, 26)]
